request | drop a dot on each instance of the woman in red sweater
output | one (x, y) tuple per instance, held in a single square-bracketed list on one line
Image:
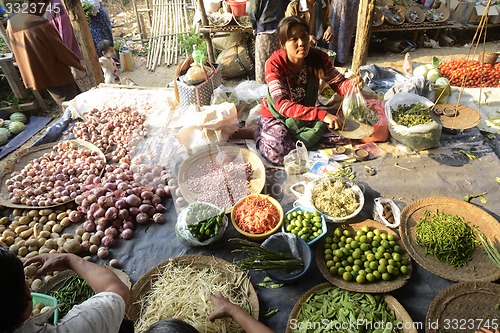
[(292, 75)]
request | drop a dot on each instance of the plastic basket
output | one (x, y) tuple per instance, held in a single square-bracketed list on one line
[(47, 301)]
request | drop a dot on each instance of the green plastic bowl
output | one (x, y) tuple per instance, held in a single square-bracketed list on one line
[(47, 301)]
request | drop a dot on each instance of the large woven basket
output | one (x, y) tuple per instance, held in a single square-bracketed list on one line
[(375, 287), (392, 304), (480, 267), (464, 307)]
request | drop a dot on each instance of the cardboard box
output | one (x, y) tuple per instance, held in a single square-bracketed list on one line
[(495, 19), (462, 12), (479, 11)]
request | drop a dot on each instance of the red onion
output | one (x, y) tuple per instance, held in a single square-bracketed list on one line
[(146, 195), (148, 209), (128, 225), (111, 213), (133, 200), (123, 214), (126, 234), (108, 241), (142, 218), (111, 232), (120, 204), (155, 200), (99, 212), (158, 218), (103, 252), (160, 208), (75, 216), (161, 193), (89, 226), (133, 211)]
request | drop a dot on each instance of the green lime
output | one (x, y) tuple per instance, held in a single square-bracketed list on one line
[(346, 251), (338, 264), (391, 262), (341, 244), (316, 213), (364, 247), (377, 238), (365, 228), (385, 244), (387, 255), (330, 263), (334, 246), (346, 233), (382, 261), (377, 275), (348, 268), (370, 257), (345, 263), (338, 253), (341, 271), (375, 244), (337, 232), (358, 262), (328, 257), (383, 235), (360, 233), (373, 265), (333, 270), (390, 237), (382, 269), (350, 259), (390, 269), (379, 255), (376, 232), (295, 214), (396, 249), (403, 269), (370, 234), (289, 228), (362, 272), (360, 279), (366, 264), (347, 276), (354, 244), (386, 276), (356, 268), (370, 277), (362, 239)]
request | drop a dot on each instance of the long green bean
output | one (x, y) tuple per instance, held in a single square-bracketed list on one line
[(74, 291), (448, 237)]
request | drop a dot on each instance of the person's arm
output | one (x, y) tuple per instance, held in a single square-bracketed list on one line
[(278, 89), (53, 41), (334, 78), (224, 309), (99, 278), (327, 24)]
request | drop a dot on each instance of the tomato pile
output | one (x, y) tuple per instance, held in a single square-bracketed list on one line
[(476, 74)]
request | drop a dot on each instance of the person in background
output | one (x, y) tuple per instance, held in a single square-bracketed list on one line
[(103, 312), (43, 59), (108, 53), (292, 74), (99, 24), (265, 16), (58, 17), (344, 18), (317, 14), (223, 309)]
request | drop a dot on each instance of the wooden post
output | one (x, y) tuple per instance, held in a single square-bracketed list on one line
[(365, 17), (206, 34), (85, 42)]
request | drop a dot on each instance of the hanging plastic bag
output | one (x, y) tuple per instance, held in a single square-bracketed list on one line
[(354, 105), (358, 117), (200, 224), (296, 160)]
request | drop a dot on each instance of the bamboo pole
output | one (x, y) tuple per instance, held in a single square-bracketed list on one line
[(152, 39), (84, 39), (365, 17)]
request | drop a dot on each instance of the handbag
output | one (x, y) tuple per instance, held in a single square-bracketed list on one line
[(200, 94)]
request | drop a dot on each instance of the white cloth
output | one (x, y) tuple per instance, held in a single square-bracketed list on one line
[(102, 313)]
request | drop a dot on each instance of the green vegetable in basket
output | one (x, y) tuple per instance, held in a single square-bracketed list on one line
[(448, 237), (204, 221), (411, 114), (74, 291)]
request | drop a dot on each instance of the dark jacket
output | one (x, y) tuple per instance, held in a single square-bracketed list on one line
[(266, 14)]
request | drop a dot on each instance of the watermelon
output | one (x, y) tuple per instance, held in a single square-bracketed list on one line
[(4, 135), (16, 127), (6, 123), (19, 116)]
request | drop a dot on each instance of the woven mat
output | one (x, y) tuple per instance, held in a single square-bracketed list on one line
[(374, 287), (392, 303), (464, 307), (27, 156), (143, 285), (480, 268)]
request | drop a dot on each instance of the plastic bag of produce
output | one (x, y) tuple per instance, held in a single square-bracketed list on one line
[(295, 161), (418, 137), (200, 224), (386, 212)]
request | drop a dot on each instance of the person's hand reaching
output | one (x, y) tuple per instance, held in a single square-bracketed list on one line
[(222, 307), (328, 36), (333, 121), (48, 263)]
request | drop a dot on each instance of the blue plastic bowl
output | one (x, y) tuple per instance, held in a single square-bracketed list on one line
[(324, 227), (47, 301), (281, 242)]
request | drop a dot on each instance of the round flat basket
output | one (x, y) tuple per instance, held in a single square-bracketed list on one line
[(219, 19), (356, 130), (27, 156), (480, 267), (207, 164), (464, 307), (414, 14), (392, 304), (461, 117), (374, 287), (228, 273)]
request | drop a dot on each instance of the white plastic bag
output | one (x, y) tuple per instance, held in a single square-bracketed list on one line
[(378, 212), (417, 137), (295, 162), (193, 214), (354, 105)]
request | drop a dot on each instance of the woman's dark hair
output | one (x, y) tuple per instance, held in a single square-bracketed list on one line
[(13, 290), (171, 326), (104, 46), (314, 58)]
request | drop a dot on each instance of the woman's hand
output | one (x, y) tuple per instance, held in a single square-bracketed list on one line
[(332, 121), (312, 39), (327, 36), (48, 263), (222, 307), (357, 82)]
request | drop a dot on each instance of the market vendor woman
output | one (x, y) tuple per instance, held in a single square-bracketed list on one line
[(292, 75)]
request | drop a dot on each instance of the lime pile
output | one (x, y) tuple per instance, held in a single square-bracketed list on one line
[(365, 257), (304, 224)]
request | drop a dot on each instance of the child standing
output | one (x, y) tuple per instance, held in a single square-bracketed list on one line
[(107, 51)]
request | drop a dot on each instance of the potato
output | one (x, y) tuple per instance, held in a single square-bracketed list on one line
[(14, 248), (41, 242), (20, 242), (86, 236), (31, 254), (60, 242), (51, 223), (8, 240), (72, 246), (51, 244), (44, 234), (57, 228), (95, 240), (23, 251), (25, 220), (52, 216), (43, 219), (45, 309), (39, 306), (30, 270), (37, 283), (67, 236), (43, 250), (35, 312), (33, 248), (21, 228), (62, 215), (31, 242), (47, 227), (26, 234), (4, 220), (53, 251), (55, 235), (8, 233), (93, 249), (2, 228), (80, 231), (17, 212), (45, 212), (32, 223), (65, 222), (33, 213)]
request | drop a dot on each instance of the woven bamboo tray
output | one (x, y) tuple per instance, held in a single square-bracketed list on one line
[(464, 307), (392, 304), (465, 117), (203, 157), (480, 268), (143, 285), (28, 155), (374, 287)]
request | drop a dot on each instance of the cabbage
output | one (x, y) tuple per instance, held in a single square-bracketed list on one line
[(433, 75), (442, 81), (430, 66), (420, 70)]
